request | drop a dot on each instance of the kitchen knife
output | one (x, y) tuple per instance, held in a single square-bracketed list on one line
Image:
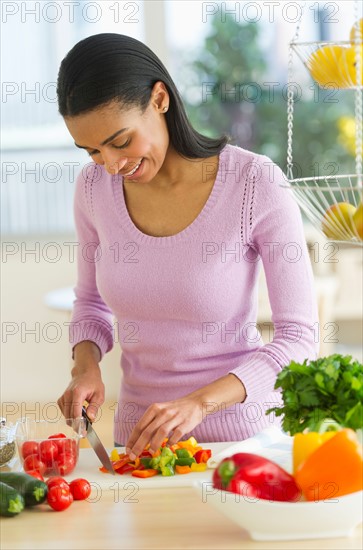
[(96, 444)]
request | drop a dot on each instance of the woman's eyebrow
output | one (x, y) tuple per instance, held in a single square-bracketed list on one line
[(106, 140)]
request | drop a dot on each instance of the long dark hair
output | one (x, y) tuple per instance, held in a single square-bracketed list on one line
[(111, 67)]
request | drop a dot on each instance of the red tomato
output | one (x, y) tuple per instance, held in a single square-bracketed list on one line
[(57, 436), (32, 462), (35, 473), (59, 498), (48, 451), (65, 464), (67, 446), (80, 489), (29, 448), (57, 481)]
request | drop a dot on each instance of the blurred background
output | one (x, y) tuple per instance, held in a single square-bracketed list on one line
[(229, 60)]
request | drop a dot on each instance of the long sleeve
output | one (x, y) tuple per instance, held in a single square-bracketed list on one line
[(274, 230), (91, 319)]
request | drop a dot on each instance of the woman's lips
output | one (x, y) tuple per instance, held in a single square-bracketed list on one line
[(134, 169)]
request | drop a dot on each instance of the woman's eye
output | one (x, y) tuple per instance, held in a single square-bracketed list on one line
[(123, 145), (92, 153)]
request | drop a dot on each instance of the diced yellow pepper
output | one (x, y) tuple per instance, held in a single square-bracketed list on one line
[(195, 467), (305, 444), (114, 455)]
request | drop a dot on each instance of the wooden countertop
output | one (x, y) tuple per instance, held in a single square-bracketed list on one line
[(143, 519), (136, 516)]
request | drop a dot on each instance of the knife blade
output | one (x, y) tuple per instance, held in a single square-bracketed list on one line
[(96, 443)]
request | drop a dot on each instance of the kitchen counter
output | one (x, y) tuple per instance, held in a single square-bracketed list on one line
[(142, 519), (128, 513)]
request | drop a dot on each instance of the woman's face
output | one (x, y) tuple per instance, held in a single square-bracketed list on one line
[(125, 139)]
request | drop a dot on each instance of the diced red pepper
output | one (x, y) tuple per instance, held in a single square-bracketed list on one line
[(125, 468), (203, 455), (145, 473), (119, 463)]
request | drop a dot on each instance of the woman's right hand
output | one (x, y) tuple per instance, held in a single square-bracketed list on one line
[(86, 383)]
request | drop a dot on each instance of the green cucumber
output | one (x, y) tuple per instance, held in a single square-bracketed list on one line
[(11, 502), (33, 490)]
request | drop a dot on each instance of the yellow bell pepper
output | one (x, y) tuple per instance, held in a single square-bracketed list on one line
[(195, 467), (114, 455), (305, 444)]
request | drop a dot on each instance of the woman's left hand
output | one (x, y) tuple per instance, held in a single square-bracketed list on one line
[(161, 419)]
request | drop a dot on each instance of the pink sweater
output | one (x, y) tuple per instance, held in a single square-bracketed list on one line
[(183, 308)]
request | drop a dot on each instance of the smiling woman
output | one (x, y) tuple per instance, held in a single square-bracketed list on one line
[(172, 227)]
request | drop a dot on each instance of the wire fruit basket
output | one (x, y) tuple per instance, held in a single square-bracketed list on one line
[(333, 204)]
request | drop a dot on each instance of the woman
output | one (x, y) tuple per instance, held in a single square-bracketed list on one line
[(172, 229)]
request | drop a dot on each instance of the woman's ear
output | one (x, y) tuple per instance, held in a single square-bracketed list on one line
[(160, 97)]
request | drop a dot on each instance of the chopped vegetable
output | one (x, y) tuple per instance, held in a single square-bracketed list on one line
[(201, 467), (324, 393), (183, 469), (334, 469), (114, 456), (185, 461), (203, 455), (166, 460), (145, 473)]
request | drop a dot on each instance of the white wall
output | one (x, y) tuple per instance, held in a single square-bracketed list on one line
[(36, 367)]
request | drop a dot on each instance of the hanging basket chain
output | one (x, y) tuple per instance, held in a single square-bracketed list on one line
[(358, 94), (290, 98)]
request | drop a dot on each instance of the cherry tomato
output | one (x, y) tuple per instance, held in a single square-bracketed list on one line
[(35, 473), (57, 481), (29, 448), (65, 463), (80, 489), (48, 451), (57, 436), (59, 498), (32, 462)]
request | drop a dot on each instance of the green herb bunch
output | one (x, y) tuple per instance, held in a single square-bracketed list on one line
[(328, 390)]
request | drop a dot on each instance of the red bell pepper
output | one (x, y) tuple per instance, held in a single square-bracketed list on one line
[(125, 468), (203, 455), (255, 477)]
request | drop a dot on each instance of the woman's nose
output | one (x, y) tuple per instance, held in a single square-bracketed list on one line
[(113, 162)]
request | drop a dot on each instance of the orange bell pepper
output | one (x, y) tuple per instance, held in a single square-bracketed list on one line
[(305, 444), (334, 469), (149, 472), (183, 469)]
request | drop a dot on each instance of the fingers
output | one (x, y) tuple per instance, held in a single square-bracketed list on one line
[(71, 402), (153, 427)]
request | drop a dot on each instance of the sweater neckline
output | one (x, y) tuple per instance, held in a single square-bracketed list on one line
[(120, 202)]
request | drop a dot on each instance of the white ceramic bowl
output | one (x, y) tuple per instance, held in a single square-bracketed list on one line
[(266, 520)]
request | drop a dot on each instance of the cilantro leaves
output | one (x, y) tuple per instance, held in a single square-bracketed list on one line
[(328, 388)]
